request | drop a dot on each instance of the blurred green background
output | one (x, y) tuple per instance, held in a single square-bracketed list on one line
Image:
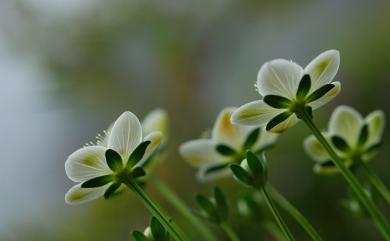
[(69, 68)]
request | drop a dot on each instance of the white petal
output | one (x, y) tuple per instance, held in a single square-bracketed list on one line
[(200, 152), (279, 77), (155, 139), (327, 97), (265, 139), (346, 123), (286, 124), (87, 163), (157, 120), (323, 68), (225, 132), (315, 150), (203, 176), (376, 126), (256, 113), (78, 195), (125, 135)]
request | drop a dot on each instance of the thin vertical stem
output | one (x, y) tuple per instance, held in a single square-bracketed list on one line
[(378, 218), (289, 208), (376, 181), (183, 209), (229, 232), (168, 223), (283, 226), (274, 231)]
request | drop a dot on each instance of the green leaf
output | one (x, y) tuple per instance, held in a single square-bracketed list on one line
[(137, 154), (340, 144), (304, 86), (114, 160), (98, 181), (373, 148), (138, 236), (225, 150), (363, 136), (255, 164), (241, 175), (251, 139), (207, 207), (277, 120), (111, 190), (221, 203), (277, 101), (215, 168), (138, 172), (319, 92), (158, 230)]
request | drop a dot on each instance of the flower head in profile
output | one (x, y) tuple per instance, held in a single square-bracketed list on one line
[(98, 169), (228, 145), (353, 137), (288, 90)]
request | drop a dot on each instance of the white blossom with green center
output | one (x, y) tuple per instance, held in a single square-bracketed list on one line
[(288, 89), (97, 168), (228, 145), (353, 137)]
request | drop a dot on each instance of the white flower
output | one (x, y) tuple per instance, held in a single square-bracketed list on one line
[(287, 89), (353, 137), (95, 168), (228, 144), (156, 120)]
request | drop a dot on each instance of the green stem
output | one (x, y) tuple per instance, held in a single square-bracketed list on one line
[(277, 216), (378, 218), (229, 232), (168, 223), (289, 208), (183, 209), (274, 231), (376, 181)]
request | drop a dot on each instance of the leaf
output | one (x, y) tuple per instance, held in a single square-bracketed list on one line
[(278, 119), (319, 92), (158, 230), (254, 164), (221, 203), (98, 181), (277, 101), (251, 139), (225, 150), (114, 160), (138, 172), (111, 190), (373, 148), (138, 236), (340, 144), (241, 175), (304, 87), (207, 207), (363, 136), (138, 153)]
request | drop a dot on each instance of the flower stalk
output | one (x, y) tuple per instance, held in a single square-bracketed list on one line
[(378, 218), (229, 232)]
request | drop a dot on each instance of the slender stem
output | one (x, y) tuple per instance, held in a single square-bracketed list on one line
[(277, 216), (183, 209), (376, 181), (378, 218), (229, 232), (289, 208), (168, 223), (274, 230)]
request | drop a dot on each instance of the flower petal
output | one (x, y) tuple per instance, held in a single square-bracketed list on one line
[(284, 125), (218, 171), (327, 97), (200, 152), (376, 126), (155, 139), (225, 132), (323, 68), (256, 113), (78, 195), (87, 163), (125, 135), (157, 120), (314, 148), (346, 123), (279, 77)]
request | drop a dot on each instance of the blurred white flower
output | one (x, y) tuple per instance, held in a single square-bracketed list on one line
[(228, 145), (352, 136), (95, 168), (287, 88)]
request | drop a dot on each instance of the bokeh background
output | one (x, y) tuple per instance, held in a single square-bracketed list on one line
[(69, 68)]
